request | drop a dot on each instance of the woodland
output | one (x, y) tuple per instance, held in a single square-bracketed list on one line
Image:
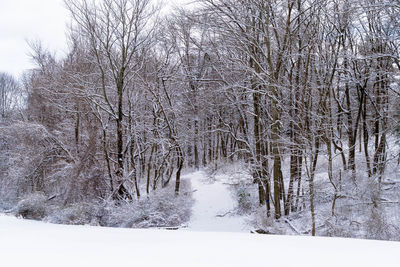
[(302, 95)]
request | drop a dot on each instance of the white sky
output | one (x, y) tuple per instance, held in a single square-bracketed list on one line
[(22, 20)]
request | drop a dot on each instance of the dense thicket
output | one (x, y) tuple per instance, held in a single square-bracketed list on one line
[(276, 84)]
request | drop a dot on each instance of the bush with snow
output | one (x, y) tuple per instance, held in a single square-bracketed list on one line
[(76, 213), (244, 198), (32, 206), (161, 209)]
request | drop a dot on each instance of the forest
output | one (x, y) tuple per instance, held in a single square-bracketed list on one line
[(302, 95)]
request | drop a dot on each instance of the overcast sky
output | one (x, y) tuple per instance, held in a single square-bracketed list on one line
[(22, 20)]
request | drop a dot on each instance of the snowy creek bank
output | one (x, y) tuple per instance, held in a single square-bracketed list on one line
[(215, 236), (214, 207)]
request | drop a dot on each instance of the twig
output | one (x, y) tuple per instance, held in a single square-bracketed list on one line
[(292, 226), (223, 215)]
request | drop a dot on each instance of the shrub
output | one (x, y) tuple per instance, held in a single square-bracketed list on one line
[(161, 209), (244, 199), (32, 206), (77, 213)]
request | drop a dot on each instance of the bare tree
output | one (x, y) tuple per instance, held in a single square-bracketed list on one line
[(117, 33), (10, 95)]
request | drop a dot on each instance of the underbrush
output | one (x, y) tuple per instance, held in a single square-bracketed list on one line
[(364, 207), (160, 209)]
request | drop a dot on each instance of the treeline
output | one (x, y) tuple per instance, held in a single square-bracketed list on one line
[(139, 97)]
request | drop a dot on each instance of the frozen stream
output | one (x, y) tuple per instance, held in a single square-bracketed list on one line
[(214, 206)]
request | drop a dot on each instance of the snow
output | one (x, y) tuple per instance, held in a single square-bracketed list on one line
[(214, 206), (32, 243), (208, 241)]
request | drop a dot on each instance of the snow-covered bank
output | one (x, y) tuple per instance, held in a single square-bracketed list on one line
[(32, 243), (214, 206), (209, 240)]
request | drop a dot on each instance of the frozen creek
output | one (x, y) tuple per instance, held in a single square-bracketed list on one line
[(214, 206)]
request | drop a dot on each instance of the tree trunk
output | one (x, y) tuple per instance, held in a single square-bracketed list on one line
[(178, 172)]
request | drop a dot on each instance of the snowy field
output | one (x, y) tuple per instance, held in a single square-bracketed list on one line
[(32, 243), (209, 240)]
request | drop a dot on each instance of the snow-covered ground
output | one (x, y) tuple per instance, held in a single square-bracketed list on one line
[(32, 243), (215, 241), (214, 206)]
